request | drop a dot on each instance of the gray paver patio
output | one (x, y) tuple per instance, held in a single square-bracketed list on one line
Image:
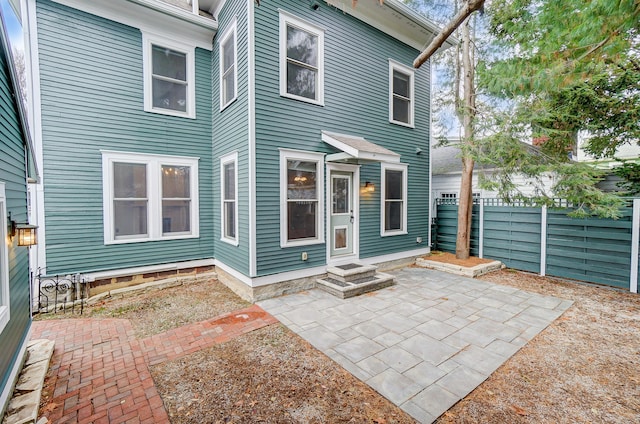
[(424, 343)]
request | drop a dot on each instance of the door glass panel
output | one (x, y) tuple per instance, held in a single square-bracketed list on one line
[(340, 195)]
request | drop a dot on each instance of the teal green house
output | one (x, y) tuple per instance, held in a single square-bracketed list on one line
[(15, 160), (265, 140)]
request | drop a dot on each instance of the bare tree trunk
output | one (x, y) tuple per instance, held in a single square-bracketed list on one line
[(463, 240)]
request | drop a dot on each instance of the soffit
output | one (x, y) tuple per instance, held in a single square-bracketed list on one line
[(395, 19), (153, 16)]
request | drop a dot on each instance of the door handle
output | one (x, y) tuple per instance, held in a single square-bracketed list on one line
[(351, 217)]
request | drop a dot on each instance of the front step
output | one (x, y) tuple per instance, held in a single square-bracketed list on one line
[(350, 280)]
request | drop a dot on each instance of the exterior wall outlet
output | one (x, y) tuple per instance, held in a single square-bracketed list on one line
[(418, 240), (304, 256)]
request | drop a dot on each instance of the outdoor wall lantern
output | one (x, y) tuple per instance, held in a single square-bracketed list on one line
[(369, 187), (27, 234)]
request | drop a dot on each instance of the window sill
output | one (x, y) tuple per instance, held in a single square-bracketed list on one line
[(402, 124), (169, 112), (300, 243), (147, 239), (233, 242), (229, 103), (303, 99), (393, 233)]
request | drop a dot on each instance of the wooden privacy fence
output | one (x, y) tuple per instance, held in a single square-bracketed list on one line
[(547, 241)]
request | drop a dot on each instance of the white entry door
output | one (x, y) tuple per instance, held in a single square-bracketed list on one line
[(341, 213)]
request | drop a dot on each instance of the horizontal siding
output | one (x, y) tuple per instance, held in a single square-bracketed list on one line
[(92, 99), (231, 134), (356, 102), (13, 175)]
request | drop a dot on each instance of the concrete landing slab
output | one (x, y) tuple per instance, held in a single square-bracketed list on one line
[(23, 406)]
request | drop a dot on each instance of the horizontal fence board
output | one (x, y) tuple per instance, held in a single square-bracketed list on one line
[(595, 250)]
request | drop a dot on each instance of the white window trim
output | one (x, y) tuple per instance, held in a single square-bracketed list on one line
[(396, 66), (5, 305), (224, 160), (286, 155), (394, 167), (287, 18), (147, 66), (232, 31), (154, 194)]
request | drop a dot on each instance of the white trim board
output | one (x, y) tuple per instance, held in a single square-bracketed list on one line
[(123, 272), (153, 16)]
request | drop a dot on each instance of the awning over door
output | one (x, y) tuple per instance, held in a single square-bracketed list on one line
[(357, 150)]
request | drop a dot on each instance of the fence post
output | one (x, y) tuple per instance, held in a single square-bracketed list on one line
[(481, 230), (635, 238), (543, 240)]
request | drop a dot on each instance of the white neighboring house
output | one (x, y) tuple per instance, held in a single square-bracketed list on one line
[(624, 152), (446, 172)]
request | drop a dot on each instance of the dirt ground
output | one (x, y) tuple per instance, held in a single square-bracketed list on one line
[(583, 368)]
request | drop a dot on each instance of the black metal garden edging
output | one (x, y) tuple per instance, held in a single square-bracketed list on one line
[(59, 293)]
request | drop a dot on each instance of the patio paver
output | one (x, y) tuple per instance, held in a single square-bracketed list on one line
[(425, 343)]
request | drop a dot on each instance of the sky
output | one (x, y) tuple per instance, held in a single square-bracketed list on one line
[(13, 25)]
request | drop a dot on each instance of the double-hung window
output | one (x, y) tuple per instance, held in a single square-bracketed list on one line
[(4, 262), (394, 199), (301, 60), (301, 182), (401, 94), (229, 194), (149, 197), (169, 76), (228, 66)]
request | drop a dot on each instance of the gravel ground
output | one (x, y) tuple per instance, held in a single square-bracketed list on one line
[(584, 368)]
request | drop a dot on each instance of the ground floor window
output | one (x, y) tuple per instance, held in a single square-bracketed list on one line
[(229, 197), (301, 182), (149, 197), (394, 199)]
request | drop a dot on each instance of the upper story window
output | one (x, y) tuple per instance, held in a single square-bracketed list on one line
[(228, 66), (401, 94), (301, 181), (301, 60), (169, 76), (394, 199), (5, 306), (149, 197), (229, 195)]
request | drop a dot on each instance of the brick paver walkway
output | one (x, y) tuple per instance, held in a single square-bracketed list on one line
[(100, 372)]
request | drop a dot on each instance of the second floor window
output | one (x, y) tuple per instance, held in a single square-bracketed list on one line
[(401, 94), (169, 70), (228, 67), (301, 60)]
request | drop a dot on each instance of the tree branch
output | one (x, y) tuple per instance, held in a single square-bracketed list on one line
[(470, 7)]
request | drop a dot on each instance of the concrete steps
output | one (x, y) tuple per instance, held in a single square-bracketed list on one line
[(353, 279)]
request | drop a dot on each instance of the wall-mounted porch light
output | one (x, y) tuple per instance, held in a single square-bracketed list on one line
[(369, 187), (27, 234)]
